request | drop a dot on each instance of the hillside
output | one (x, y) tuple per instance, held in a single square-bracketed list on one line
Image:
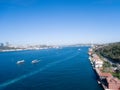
[(111, 51)]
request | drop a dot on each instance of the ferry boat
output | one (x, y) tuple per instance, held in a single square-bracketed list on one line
[(35, 61), (20, 62)]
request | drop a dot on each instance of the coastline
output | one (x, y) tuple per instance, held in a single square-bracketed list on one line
[(98, 76), (20, 50), (11, 50), (105, 79)]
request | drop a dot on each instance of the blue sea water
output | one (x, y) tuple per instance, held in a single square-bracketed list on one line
[(59, 69)]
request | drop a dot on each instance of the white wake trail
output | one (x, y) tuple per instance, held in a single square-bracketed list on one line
[(34, 72)]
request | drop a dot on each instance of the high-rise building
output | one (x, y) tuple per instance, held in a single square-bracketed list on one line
[(1, 44)]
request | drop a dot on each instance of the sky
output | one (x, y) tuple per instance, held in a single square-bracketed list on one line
[(58, 22)]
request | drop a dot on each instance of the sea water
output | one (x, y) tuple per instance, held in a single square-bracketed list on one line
[(67, 68)]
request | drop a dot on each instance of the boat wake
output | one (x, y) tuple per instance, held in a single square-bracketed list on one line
[(35, 72)]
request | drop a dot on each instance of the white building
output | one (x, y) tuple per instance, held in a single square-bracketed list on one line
[(98, 64)]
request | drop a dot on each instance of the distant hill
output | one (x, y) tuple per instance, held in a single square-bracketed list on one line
[(111, 51)]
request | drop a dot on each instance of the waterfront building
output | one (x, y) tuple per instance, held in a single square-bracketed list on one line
[(1, 44), (98, 64), (106, 79), (102, 75), (113, 83), (90, 49)]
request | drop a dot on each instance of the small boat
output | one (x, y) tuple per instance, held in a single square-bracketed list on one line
[(79, 49), (20, 62), (35, 61), (98, 82)]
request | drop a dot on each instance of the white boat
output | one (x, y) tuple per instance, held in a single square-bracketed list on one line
[(98, 82), (20, 62), (79, 49), (35, 61)]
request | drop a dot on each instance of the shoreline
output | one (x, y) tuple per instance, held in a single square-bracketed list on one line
[(105, 79), (98, 77), (12, 50)]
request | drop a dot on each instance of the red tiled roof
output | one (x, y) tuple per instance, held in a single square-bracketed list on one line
[(105, 74), (101, 74), (113, 80), (113, 83)]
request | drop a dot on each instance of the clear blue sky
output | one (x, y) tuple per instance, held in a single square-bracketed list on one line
[(59, 21)]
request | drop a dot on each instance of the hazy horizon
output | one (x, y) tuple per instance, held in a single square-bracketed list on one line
[(59, 22)]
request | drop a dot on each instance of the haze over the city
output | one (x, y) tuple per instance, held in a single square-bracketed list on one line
[(59, 21)]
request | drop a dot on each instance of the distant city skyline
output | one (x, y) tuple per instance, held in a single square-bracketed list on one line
[(59, 22)]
